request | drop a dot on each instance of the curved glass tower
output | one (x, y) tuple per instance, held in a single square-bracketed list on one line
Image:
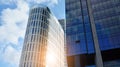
[(44, 40)]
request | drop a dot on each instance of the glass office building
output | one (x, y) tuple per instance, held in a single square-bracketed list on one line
[(44, 40), (107, 20), (81, 48)]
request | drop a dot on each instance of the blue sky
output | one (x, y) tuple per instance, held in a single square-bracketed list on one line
[(13, 21)]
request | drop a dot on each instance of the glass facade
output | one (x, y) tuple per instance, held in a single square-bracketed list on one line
[(78, 30), (44, 40), (80, 42), (107, 19), (78, 34)]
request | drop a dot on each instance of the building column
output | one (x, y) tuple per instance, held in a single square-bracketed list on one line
[(77, 61), (98, 57)]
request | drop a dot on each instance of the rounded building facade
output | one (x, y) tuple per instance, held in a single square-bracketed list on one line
[(44, 40)]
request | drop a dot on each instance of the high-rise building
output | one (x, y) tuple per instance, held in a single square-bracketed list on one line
[(63, 24), (44, 40), (92, 33)]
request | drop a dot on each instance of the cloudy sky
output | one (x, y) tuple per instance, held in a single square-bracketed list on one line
[(13, 21)]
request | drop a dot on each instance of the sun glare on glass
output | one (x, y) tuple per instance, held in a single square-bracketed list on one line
[(50, 59)]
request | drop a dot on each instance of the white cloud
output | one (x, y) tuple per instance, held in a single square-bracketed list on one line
[(9, 2), (10, 30), (11, 56), (52, 2)]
